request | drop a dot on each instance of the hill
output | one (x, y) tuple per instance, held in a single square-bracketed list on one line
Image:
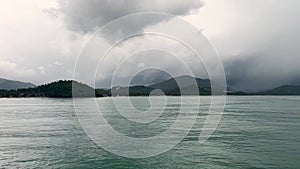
[(65, 89), (131, 91), (70, 88), (13, 85), (184, 81), (58, 89), (282, 90), (188, 86)]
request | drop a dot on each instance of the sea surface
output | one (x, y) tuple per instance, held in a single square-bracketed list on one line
[(254, 132)]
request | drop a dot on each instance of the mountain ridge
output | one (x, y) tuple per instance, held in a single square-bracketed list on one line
[(184, 81), (67, 89), (6, 84), (282, 90)]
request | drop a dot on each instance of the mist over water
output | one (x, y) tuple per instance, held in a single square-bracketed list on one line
[(255, 132)]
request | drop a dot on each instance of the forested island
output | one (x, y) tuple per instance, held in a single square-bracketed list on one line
[(71, 88)]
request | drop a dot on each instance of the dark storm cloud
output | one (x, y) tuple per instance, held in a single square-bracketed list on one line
[(259, 45), (87, 15), (258, 73), (274, 61)]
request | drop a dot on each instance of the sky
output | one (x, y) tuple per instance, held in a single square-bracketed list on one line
[(257, 40)]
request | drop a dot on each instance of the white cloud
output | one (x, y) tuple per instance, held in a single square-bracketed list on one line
[(10, 70), (57, 63)]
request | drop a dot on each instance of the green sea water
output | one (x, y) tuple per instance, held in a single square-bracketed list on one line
[(254, 132)]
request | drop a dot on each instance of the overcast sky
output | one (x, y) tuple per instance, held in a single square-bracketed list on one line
[(257, 40)]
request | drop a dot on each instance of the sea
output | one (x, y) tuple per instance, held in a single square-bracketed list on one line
[(250, 132)]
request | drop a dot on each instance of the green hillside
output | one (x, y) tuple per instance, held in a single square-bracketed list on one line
[(58, 89)]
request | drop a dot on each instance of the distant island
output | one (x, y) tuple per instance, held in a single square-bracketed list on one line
[(66, 88)]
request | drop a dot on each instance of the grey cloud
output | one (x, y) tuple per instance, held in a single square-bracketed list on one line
[(146, 77), (258, 41), (128, 58), (87, 15)]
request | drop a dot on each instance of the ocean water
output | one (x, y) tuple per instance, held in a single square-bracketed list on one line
[(254, 132)]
